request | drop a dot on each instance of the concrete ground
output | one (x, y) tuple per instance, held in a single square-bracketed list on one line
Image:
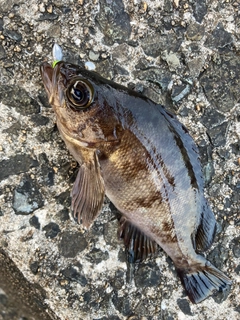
[(183, 54)]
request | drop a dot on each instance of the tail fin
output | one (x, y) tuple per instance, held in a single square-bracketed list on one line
[(202, 282)]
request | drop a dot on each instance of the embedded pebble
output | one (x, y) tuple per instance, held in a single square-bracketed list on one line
[(51, 230), (93, 56), (26, 197), (16, 164)]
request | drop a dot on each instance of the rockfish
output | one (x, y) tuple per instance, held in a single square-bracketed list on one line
[(139, 155)]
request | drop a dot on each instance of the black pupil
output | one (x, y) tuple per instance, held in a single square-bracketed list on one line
[(77, 94)]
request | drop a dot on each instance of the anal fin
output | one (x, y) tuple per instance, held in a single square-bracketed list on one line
[(138, 245)]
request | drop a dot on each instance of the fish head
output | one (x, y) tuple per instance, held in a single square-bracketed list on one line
[(84, 103)]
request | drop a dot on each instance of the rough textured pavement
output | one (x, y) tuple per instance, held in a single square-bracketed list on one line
[(183, 54)]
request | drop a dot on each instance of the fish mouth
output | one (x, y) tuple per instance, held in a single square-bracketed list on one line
[(50, 78)]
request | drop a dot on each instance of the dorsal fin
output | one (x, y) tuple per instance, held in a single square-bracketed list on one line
[(138, 245)]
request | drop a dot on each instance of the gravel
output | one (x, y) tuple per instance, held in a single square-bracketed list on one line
[(183, 54)]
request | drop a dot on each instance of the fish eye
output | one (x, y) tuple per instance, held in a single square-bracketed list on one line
[(80, 94)]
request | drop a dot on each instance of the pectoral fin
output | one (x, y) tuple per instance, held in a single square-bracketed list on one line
[(88, 192)]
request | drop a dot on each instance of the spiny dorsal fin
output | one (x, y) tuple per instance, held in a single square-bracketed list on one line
[(138, 245)]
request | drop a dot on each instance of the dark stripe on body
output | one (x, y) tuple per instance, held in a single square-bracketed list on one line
[(186, 159)]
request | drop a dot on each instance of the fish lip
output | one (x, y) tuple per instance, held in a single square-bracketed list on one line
[(50, 78), (46, 72)]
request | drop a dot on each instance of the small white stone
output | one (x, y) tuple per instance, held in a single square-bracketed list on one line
[(77, 41), (42, 7), (93, 55), (176, 3), (89, 65), (104, 55)]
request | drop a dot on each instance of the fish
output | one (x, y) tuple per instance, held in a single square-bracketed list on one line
[(144, 160)]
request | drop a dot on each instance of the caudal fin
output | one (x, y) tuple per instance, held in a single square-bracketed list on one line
[(202, 282)]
